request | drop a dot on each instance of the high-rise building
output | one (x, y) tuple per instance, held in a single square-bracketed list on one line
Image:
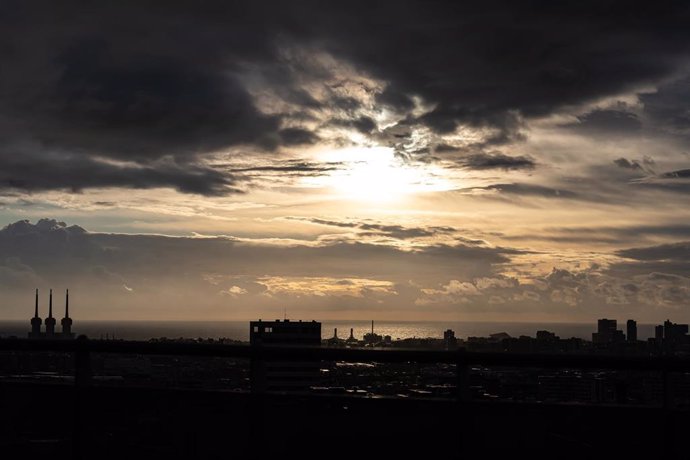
[(547, 336), (632, 330), (675, 334), (659, 333), (450, 342), (607, 332), (284, 376)]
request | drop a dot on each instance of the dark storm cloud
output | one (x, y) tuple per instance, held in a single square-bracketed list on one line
[(117, 274), (530, 190), (607, 122), (672, 259), (506, 57), (673, 181), (52, 249), (675, 251), (297, 136), (292, 167), (136, 82), (624, 235), (363, 124), (667, 106), (680, 174), (37, 171), (627, 164), (445, 148), (496, 160), (105, 100), (392, 231)]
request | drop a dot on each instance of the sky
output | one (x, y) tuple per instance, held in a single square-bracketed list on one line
[(403, 160)]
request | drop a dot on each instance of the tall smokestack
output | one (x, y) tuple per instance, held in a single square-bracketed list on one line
[(372, 327), (335, 333), (66, 321), (50, 321), (35, 322)]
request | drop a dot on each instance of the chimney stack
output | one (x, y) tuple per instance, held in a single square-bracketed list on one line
[(35, 322), (50, 321), (66, 321)]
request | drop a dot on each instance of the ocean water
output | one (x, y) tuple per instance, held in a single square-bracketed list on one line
[(239, 330)]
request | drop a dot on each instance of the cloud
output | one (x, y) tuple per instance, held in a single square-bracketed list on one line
[(615, 235), (233, 291), (674, 251), (529, 190), (607, 122), (32, 171), (392, 231), (145, 276), (14, 273), (178, 272), (136, 96), (362, 124), (497, 160), (666, 107), (297, 136), (679, 174), (627, 164), (297, 167), (671, 258), (676, 181)]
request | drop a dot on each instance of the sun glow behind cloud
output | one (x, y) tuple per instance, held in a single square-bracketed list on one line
[(375, 174)]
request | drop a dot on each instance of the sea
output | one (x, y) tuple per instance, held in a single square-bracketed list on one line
[(239, 330)]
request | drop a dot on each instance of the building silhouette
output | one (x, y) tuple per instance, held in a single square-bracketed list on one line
[(632, 330), (659, 334), (284, 376), (371, 338), (35, 322), (607, 332), (50, 322), (675, 335), (450, 342), (352, 340), (335, 341), (66, 322)]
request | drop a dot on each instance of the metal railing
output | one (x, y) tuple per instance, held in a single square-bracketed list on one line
[(82, 348)]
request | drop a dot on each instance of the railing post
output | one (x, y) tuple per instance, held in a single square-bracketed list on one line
[(668, 406), (82, 380), (465, 415)]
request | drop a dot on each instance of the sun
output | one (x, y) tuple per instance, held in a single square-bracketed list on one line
[(375, 174)]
